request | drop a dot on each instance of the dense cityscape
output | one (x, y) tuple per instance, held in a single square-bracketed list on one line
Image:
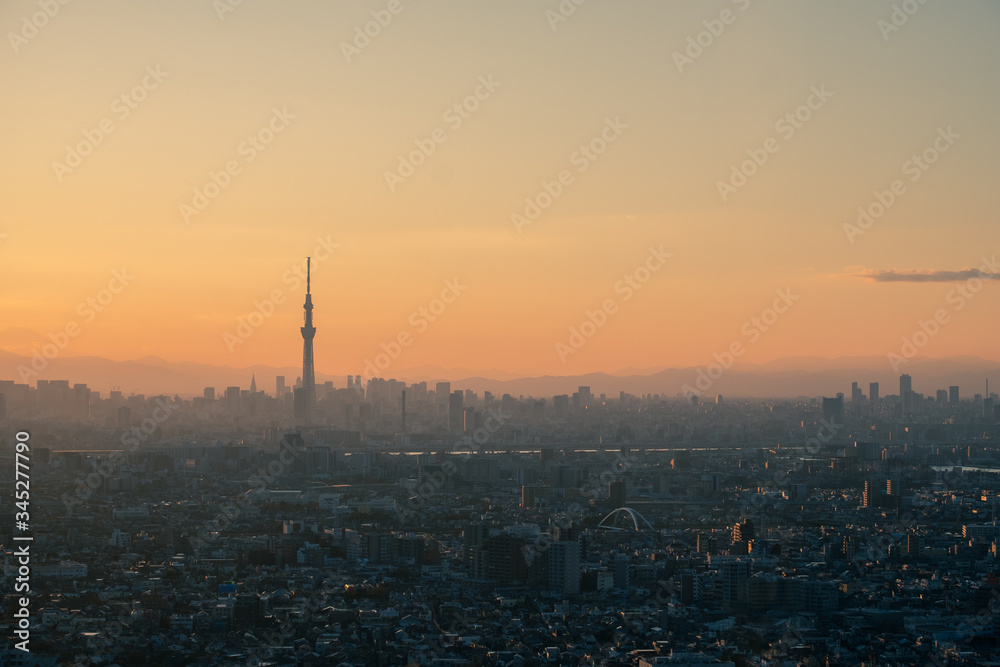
[(381, 523), (532, 333), (577, 530)]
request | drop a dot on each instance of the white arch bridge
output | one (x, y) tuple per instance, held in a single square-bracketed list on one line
[(625, 515)]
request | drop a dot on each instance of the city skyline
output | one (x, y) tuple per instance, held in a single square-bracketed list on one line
[(702, 382), (632, 334)]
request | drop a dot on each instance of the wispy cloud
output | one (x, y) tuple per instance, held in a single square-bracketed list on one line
[(922, 275)]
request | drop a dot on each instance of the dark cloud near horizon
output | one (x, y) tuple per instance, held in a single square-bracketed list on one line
[(927, 276)]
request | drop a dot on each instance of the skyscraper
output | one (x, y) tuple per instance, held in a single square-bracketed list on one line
[(279, 386), (873, 392), (735, 576), (306, 402), (620, 567), (124, 417), (744, 532), (233, 400), (953, 394), (563, 567), (456, 413), (833, 409), (869, 495), (81, 401), (500, 559), (473, 537), (442, 394), (616, 493), (906, 392)]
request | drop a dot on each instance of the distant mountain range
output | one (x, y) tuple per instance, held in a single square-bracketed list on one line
[(788, 377)]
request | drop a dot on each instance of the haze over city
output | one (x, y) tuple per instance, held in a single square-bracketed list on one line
[(426, 333)]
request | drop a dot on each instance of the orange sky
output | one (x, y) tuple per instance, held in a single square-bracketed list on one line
[(341, 126)]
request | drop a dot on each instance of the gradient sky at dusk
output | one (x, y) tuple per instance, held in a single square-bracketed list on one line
[(656, 185)]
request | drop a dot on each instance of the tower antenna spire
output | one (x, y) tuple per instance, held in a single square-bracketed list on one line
[(305, 400)]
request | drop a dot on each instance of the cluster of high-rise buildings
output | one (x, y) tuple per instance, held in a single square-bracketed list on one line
[(908, 402), (413, 524)]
